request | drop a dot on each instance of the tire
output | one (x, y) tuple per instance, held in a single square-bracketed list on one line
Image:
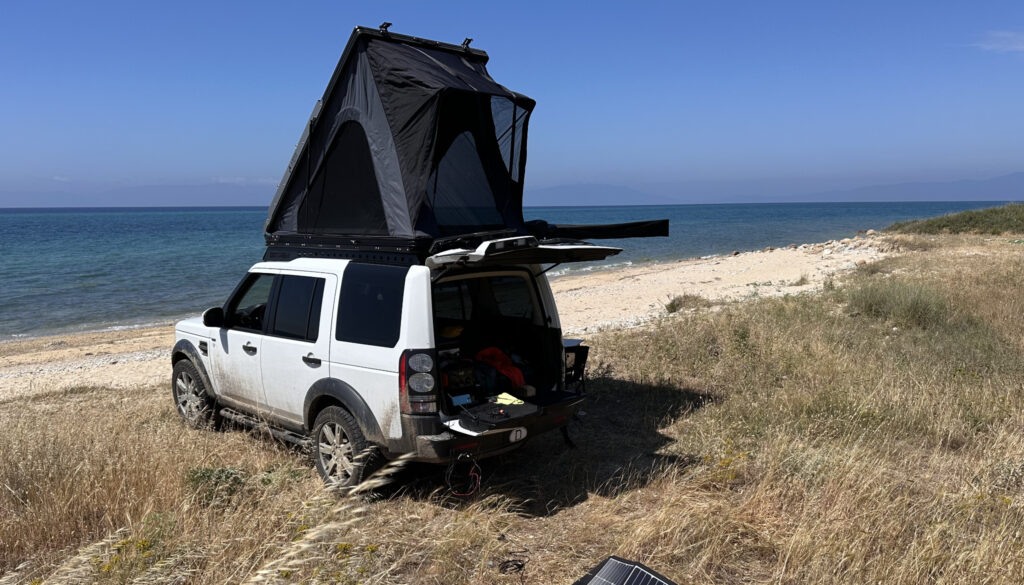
[(191, 397), (340, 452)]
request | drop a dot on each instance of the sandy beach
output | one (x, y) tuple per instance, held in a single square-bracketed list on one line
[(587, 302)]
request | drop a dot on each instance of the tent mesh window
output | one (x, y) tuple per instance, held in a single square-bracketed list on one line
[(471, 186), (343, 196)]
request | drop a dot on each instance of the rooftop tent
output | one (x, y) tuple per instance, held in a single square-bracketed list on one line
[(413, 150), (412, 141)]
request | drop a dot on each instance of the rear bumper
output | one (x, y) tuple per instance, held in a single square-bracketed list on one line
[(432, 442)]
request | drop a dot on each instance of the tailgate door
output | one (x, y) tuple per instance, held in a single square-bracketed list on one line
[(521, 250)]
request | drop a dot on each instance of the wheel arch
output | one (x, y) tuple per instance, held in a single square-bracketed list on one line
[(331, 391), (184, 350)]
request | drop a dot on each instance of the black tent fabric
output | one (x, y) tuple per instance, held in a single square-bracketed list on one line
[(413, 140)]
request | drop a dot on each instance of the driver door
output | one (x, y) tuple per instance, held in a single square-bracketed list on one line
[(236, 355)]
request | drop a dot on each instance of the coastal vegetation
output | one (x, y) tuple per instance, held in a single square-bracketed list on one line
[(869, 433), (994, 220), (686, 301)]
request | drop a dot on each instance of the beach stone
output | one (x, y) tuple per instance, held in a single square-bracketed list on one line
[(792, 246), (845, 241), (826, 251), (768, 248), (861, 262), (735, 253), (870, 232)]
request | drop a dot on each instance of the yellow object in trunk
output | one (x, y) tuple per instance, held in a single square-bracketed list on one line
[(506, 398)]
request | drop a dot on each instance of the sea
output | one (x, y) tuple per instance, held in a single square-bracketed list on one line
[(80, 269)]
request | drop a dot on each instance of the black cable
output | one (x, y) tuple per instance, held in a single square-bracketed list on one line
[(516, 563)]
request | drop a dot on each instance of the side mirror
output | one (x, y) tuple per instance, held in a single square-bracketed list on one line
[(213, 317)]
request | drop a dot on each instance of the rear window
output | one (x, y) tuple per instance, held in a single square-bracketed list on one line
[(484, 297), (297, 314), (452, 300), (370, 305), (512, 296)]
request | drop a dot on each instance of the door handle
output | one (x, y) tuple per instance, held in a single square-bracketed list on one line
[(309, 359), (249, 348)]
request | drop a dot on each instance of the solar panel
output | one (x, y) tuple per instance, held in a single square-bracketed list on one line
[(616, 571)]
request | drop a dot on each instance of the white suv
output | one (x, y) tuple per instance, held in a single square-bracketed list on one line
[(460, 355)]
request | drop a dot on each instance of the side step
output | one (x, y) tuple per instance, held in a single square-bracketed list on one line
[(262, 425)]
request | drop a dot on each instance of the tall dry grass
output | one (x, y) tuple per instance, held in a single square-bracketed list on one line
[(872, 433)]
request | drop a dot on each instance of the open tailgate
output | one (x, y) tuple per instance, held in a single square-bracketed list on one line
[(520, 250)]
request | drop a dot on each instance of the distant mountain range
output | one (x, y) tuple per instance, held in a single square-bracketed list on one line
[(212, 194), (1004, 188)]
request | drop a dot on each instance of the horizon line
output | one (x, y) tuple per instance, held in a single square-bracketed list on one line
[(267, 207)]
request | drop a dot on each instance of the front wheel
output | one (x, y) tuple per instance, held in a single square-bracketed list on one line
[(191, 399), (340, 452)]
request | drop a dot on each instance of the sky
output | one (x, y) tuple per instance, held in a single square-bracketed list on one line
[(105, 95)]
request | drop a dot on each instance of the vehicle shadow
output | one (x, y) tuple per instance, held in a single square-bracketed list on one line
[(617, 439)]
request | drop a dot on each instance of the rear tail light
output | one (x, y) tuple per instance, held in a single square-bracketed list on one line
[(417, 382)]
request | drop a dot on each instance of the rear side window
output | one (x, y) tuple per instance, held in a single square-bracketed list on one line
[(370, 305), (297, 313)]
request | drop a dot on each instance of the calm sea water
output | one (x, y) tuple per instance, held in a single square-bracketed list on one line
[(90, 269)]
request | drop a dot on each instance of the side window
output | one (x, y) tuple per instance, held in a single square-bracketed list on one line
[(370, 304), (512, 296), (297, 312), (248, 308)]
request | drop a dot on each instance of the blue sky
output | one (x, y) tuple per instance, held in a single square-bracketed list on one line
[(99, 95)]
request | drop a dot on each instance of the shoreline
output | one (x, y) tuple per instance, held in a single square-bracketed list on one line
[(588, 302), (600, 300), (554, 276)]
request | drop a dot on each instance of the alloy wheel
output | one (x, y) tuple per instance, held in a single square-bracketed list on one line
[(190, 399), (336, 457)]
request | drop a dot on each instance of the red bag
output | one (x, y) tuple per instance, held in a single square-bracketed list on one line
[(497, 359)]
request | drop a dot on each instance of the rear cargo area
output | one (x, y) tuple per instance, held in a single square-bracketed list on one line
[(495, 345)]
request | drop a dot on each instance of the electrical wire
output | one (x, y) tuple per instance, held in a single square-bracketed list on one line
[(516, 563), (474, 476)]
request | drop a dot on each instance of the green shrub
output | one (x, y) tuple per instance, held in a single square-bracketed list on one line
[(680, 302), (215, 485), (994, 220), (903, 303)]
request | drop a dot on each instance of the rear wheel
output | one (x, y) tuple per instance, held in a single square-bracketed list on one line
[(191, 399), (340, 452)]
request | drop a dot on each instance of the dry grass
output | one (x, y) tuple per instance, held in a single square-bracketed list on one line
[(790, 440)]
